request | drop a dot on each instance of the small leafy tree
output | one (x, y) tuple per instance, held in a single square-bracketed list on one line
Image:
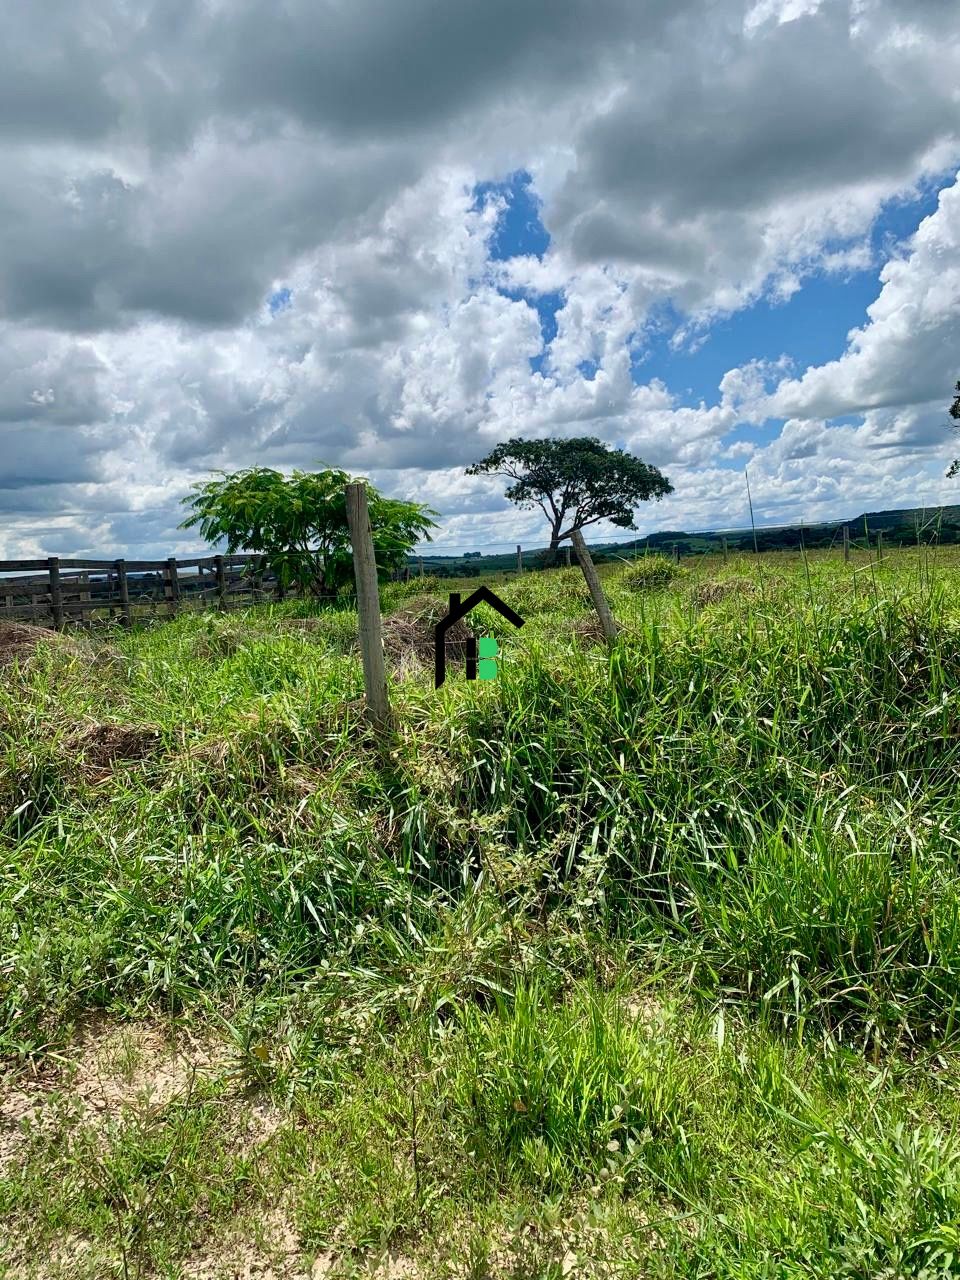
[(574, 482), (299, 524), (954, 412)]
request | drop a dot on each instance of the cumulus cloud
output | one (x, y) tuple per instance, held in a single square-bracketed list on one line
[(906, 353), (168, 170)]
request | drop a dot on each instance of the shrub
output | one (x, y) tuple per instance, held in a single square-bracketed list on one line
[(651, 573)]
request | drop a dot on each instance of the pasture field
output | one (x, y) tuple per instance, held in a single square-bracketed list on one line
[(630, 963)]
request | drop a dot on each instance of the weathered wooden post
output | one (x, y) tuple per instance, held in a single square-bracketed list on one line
[(519, 559), (368, 605), (420, 563), (676, 553), (607, 620), (221, 581), (258, 579), (171, 585), (723, 543), (56, 599), (846, 544), (124, 589), (879, 545), (566, 554), (108, 586)]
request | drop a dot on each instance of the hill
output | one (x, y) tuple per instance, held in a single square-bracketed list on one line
[(900, 527)]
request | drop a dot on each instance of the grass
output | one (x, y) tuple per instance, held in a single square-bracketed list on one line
[(636, 963)]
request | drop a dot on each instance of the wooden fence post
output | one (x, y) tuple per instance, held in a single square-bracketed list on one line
[(172, 585), (368, 604), (879, 545), (607, 620), (723, 543), (257, 585), (519, 559), (676, 554), (56, 599), (221, 582), (124, 589), (566, 554), (846, 543), (420, 563)]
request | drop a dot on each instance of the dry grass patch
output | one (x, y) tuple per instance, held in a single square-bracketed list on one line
[(408, 636), (19, 640), (100, 746), (710, 592)]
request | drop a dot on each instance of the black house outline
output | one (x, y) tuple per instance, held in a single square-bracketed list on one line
[(460, 610)]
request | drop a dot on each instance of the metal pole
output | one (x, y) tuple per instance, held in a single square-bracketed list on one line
[(519, 559)]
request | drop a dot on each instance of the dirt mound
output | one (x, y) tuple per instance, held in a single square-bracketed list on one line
[(102, 745), (409, 634), (18, 640)]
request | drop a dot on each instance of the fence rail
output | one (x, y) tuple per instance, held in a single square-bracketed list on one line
[(77, 591)]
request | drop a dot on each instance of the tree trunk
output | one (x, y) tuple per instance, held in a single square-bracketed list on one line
[(553, 553)]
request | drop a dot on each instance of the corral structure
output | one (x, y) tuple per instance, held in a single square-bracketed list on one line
[(55, 592)]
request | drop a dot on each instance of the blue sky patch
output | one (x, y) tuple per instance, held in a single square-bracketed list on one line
[(280, 300), (810, 328)]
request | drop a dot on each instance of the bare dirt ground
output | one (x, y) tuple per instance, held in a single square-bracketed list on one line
[(111, 1071)]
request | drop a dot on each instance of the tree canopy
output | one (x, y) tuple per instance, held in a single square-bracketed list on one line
[(575, 482), (299, 523)]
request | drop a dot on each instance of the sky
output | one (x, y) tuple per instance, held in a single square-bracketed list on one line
[(385, 235)]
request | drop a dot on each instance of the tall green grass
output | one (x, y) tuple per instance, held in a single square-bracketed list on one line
[(747, 810)]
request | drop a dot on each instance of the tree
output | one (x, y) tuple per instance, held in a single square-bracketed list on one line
[(574, 482), (299, 524), (954, 412)]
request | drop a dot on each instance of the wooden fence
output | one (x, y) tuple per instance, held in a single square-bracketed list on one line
[(55, 592)]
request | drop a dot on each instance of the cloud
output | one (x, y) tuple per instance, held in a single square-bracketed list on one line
[(906, 354), (168, 171), (763, 155)]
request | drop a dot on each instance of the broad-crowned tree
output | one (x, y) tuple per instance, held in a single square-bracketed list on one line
[(575, 482), (299, 523)]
